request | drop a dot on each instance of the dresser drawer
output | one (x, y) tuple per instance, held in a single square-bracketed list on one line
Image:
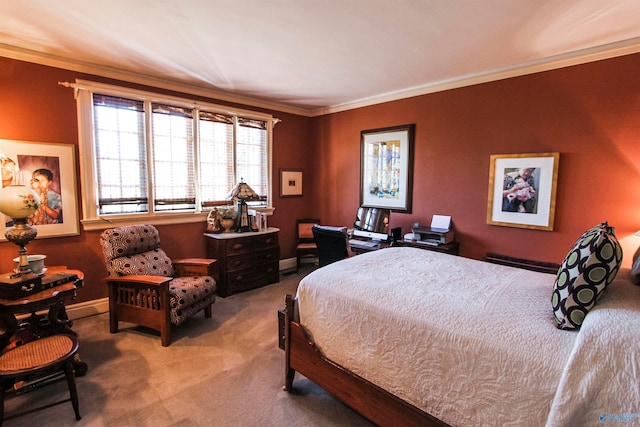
[(251, 260), (251, 279), (252, 244)]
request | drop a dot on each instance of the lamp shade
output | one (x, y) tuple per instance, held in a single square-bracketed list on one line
[(18, 201), (242, 191)]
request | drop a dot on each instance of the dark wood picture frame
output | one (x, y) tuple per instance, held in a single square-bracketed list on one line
[(386, 167)]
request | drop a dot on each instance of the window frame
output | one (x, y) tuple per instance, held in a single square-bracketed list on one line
[(91, 220)]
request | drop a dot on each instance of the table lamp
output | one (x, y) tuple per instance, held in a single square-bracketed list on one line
[(19, 202), (243, 193)]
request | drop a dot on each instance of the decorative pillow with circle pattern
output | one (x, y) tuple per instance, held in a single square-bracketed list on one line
[(591, 264), (635, 268)]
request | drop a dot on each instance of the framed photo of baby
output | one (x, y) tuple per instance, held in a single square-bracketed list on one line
[(49, 169), (522, 190)]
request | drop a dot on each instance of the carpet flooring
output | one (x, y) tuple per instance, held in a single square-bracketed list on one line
[(223, 371)]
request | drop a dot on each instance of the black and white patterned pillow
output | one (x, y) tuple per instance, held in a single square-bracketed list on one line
[(635, 268), (591, 264)]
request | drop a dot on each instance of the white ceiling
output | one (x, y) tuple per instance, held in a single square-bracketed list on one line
[(314, 56)]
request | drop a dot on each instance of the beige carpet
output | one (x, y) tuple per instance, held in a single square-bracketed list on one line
[(224, 371)]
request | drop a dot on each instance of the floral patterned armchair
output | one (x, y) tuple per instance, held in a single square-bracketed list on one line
[(146, 287)]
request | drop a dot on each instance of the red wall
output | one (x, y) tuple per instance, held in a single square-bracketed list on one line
[(589, 113), (33, 107)]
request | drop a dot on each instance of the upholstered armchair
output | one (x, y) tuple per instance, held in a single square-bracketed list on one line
[(147, 288)]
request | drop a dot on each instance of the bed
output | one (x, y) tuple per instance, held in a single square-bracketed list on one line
[(413, 337)]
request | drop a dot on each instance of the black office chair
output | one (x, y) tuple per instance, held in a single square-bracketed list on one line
[(332, 243)]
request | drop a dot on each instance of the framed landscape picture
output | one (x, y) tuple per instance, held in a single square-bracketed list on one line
[(386, 168), (522, 190)]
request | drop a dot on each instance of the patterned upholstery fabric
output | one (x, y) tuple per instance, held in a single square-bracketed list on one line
[(135, 250), (129, 240), (189, 295), (591, 264), (635, 268)]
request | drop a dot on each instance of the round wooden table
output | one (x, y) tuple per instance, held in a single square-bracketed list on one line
[(37, 325)]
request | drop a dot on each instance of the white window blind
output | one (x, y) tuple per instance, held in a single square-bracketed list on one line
[(121, 157), (251, 150), (145, 154), (173, 165), (216, 158)]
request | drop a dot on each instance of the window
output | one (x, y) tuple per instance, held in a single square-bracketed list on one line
[(165, 158)]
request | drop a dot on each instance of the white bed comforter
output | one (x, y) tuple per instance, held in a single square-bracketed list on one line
[(469, 342)]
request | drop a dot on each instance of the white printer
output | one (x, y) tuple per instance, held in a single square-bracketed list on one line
[(439, 233)]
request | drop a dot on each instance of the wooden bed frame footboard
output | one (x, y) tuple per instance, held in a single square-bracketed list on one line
[(371, 401)]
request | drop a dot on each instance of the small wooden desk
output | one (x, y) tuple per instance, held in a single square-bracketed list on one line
[(452, 248), (37, 325)]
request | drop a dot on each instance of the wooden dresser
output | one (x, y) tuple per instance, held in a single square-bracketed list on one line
[(245, 260)]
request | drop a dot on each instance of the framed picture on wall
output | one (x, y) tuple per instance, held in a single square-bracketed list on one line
[(386, 168), (290, 183), (522, 190), (50, 170)]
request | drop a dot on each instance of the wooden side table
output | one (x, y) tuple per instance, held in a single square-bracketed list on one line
[(244, 260), (36, 325), (452, 248)]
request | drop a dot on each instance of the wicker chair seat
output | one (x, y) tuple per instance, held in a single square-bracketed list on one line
[(36, 360)]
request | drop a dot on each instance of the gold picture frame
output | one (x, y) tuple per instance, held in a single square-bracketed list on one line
[(522, 190)]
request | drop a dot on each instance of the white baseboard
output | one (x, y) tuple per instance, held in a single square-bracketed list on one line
[(99, 306), (288, 264), (87, 308)]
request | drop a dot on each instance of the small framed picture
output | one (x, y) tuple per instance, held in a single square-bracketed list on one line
[(522, 190), (290, 183)]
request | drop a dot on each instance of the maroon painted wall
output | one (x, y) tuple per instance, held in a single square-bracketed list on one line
[(589, 113), (33, 107)]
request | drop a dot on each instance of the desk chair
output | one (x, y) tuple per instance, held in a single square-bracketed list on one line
[(306, 246), (37, 361), (332, 242)]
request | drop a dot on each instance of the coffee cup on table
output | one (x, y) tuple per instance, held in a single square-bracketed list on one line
[(36, 263)]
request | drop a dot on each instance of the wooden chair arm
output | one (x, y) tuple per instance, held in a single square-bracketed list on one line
[(157, 281), (194, 267)]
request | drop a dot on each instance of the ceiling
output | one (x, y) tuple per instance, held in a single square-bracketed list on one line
[(316, 56)]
